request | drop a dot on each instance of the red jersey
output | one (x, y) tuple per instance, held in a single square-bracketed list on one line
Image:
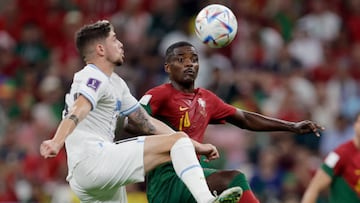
[(343, 165), (188, 112)]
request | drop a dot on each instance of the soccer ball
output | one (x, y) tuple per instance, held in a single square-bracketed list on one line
[(216, 25)]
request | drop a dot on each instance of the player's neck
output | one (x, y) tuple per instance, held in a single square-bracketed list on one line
[(356, 141), (183, 88), (106, 68)]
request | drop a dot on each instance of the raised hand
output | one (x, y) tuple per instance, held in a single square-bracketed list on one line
[(307, 126)]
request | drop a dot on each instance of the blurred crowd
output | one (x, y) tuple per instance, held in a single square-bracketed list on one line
[(291, 59)]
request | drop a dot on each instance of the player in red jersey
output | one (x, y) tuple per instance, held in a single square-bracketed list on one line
[(340, 172), (190, 109)]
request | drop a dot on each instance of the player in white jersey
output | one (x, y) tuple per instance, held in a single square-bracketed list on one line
[(98, 168)]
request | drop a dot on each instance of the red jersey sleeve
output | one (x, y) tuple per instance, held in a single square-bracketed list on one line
[(338, 159), (153, 99), (218, 109)]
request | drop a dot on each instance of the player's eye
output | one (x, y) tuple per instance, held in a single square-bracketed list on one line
[(180, 59), (194, 59)]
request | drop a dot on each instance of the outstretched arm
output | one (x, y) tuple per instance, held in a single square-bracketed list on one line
[(81, 107), (140, 122), (257, 122), (320, 182)]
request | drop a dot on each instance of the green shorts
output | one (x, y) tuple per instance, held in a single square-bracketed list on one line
[(164, 186)]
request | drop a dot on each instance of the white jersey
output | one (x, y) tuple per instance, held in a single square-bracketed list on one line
[(109, 97)]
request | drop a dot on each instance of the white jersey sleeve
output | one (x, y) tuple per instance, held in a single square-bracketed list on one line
[(90, 83)]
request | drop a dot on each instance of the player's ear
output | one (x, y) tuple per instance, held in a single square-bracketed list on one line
[(100, 50), (167, 67)]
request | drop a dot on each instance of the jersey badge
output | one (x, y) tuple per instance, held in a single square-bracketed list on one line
[(93, 83), (202, 104)]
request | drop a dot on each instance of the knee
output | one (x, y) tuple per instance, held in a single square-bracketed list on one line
[(238, 179), (180, 137), (222, 180), (177, 136)]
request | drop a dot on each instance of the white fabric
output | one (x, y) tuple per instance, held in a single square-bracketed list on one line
[(324, 26), (332, 159), (108, 174), (109, 97), (189, 169)]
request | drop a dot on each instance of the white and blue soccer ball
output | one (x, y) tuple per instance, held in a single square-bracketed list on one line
[(216, 25)]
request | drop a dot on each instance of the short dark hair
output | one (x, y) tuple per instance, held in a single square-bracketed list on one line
[(170, 50), (90, 33)]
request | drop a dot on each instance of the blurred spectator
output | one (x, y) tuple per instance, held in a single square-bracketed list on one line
[(284, 63), (234, 146), (321, 23), (65, 57), (341, 132), (272, 42), (7, 97), (131, 24), (52, 23), (48, 110), (267, 181), (304, 90), (352, 19), (221, 77), (31, 48), (165, 17), (11, 18), (354, 61), (9, 62), (283, 13), (341, 88), (325, 110), (211, 61), (306, 48)]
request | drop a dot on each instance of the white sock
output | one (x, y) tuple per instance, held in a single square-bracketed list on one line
[(188, 168)]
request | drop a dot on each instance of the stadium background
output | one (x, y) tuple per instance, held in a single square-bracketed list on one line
[(291, 59)]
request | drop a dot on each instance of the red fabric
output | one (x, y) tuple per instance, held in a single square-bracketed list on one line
[(322, 73), (53, 28), (348, 164), (353, 24), (248, 197), (189, 112)]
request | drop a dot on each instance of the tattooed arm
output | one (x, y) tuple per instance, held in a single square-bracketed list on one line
[(140, 122)]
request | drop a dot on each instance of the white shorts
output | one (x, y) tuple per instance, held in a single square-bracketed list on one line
[(102, 177)]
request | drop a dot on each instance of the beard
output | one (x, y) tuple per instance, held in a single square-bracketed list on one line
[(118, 63)]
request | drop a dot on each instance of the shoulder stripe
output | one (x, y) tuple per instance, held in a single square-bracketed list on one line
[(130, 110)]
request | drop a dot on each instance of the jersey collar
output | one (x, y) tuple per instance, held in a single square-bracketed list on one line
[(95, 67)]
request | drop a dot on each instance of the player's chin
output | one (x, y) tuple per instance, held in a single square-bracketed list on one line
[(119, 62), (189, 77), (188, 81)]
